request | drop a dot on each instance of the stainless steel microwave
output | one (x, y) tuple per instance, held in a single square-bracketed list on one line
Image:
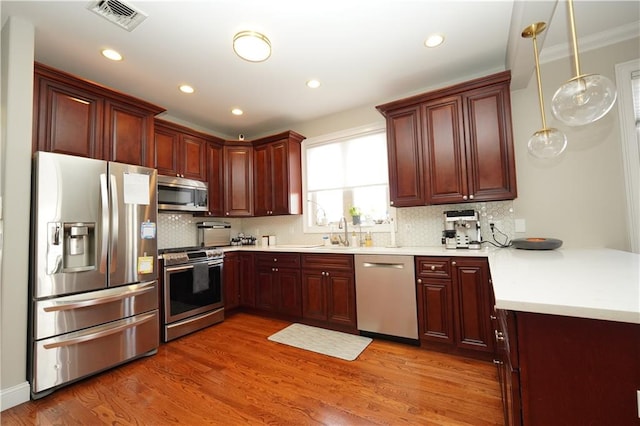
[(180, 194)]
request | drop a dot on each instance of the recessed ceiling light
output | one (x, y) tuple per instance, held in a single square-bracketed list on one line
[(314, 84), (185, 88), (237, 111), (111, 54), (252, 46), (434, 40)]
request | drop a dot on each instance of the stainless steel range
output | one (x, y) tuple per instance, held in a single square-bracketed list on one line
[(193, 290)]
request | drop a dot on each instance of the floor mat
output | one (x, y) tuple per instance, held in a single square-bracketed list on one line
[(333, 343)]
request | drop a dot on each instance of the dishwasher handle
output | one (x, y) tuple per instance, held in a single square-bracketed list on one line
[(383, 265)]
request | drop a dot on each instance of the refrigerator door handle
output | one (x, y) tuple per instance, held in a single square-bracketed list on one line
[(81, 302), (104, 202), (114, 225), (104, 331)]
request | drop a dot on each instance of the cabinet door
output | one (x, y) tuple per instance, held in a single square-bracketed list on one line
[(127, 134), (445, 166), (215, 171), (238, 194), (266, 296), (314, 295), (489, 144), (286, 184), (290, 297), (472, 305), (247, 280), (263, 181), (435, 316), (67, 119), (341, 297), (231, 280), (167, 152), (406, 161), (194, 155)]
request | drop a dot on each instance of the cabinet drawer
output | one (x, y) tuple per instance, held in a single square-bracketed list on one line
[(284, 260), (433, 267), (327, 261)]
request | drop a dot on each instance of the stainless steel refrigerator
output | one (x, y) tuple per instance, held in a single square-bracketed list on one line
[(93, 282)]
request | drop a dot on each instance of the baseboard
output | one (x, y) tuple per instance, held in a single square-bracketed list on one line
[(15, 395)]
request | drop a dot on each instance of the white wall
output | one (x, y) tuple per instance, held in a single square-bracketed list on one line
[(15, 169)]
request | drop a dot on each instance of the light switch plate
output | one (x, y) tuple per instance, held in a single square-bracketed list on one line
[(520, 225)]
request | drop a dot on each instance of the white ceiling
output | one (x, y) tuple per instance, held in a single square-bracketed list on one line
[(364, 52)]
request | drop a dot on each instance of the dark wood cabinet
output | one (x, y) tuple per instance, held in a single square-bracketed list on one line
[(231, 277), (180, 151), (247, 280), (278, 288), (568, 370), (215, 172), (405, 157), (77, 117), (328, 291), (238, 179), (455, 305), (278, 174), (453, 145)]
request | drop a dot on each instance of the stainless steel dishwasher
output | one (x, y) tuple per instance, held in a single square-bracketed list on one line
[(386, 295)]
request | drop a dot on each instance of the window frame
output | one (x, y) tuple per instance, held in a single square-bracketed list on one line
[(308, 205)]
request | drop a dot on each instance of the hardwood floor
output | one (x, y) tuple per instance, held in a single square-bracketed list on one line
[(230, 374)]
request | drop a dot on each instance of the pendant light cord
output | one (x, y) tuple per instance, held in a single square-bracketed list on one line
[(574, 38), (540, 97)]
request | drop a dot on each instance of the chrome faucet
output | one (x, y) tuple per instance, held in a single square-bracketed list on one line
[(343, 224)]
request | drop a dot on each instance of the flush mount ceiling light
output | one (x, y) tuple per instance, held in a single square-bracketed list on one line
[(111, 54), (548, 142), (185, 88), (586, 97), (434, 40), (252, 46)]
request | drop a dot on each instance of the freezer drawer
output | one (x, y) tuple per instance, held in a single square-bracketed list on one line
[(71, 313), (72, 356)]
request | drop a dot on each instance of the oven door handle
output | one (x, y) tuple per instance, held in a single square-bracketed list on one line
[(190, 266)]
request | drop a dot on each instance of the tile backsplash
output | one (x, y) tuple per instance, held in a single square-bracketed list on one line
[(416, 226)]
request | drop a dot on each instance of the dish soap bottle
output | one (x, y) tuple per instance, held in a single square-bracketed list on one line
[(368, 242), (354, 240)]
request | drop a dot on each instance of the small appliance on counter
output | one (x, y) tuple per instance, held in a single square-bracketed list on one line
[(536, 243), (461, 230), (213, 234)]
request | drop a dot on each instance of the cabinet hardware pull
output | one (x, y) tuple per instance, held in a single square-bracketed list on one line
[(433, 268), (497, 362), (471, 197), (493, 317), (499, 336), (419, 281), (464, 197), (453, 263)]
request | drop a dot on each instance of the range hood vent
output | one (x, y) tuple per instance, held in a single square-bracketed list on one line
[(122, 14)]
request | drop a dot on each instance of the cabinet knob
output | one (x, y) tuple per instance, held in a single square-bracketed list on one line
[(391, 202), (453, 263), (433, 268), (471, 197), (227, 213), (326, 274), (493, 317), (464, 197), (419, 281), (497, 362), (499, 335), (275, 259)]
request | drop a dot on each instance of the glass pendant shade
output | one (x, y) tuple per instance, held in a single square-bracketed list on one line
[(547, 143), (583, 100)]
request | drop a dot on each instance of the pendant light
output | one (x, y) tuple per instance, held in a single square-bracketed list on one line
[(586, 97), (547, 142)]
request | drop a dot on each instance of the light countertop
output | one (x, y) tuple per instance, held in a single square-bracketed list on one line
[(588, 283)]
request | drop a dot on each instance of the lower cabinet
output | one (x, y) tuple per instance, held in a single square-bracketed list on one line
[(278, 286), (328, 290), (231, 277), (455, 305), (559, 370)]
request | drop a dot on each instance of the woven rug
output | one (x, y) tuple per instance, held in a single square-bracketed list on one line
[(333, 343)]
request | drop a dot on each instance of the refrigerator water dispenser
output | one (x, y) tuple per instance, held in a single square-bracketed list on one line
[(79, 243)]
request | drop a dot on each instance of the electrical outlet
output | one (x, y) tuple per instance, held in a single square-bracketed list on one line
[(496, 224)]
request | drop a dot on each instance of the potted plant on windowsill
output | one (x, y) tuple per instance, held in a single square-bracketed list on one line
[(355, 215)]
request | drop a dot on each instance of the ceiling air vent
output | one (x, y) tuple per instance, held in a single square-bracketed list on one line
[(122, 14)]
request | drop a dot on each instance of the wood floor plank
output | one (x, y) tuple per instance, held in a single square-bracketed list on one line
[(230, 374)]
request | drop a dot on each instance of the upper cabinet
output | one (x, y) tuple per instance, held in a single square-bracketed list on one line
[(238, 179), (180, 151), (278, 175), (74, 116), (453, 145)]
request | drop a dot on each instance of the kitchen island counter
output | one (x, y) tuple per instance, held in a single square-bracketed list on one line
[(602, 284)]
